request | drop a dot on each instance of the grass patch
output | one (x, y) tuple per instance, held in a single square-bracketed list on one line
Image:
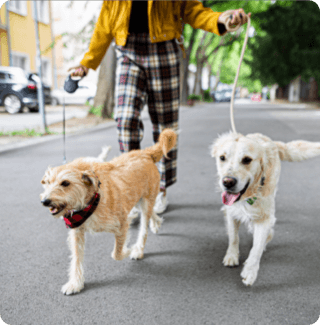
[(97, 111), (26, 133)]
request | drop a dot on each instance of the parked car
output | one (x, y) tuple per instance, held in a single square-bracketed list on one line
[(85, 93), (222, 95), (18, 88)]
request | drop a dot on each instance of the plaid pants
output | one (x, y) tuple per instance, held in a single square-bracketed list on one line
[(149, 73)]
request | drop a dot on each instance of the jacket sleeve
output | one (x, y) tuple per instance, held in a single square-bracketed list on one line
[(100, 41), (199, 17)]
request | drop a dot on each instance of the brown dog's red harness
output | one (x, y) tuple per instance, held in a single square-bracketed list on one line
[(74, 219)]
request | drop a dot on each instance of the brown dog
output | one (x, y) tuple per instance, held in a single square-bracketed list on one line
[(95, 197)]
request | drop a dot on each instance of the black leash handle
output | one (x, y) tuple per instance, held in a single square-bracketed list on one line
[(71, 85)]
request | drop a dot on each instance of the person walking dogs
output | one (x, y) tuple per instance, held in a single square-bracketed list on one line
[(147, 36)]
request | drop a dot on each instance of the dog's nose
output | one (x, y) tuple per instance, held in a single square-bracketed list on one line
[(229, 182), (46, 202)]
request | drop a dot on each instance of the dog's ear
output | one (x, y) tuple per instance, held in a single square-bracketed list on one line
[(268, 165), (89, 178), (45, 177), (213, 149)]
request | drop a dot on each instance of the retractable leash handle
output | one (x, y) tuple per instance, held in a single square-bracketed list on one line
[(71, 85), (226, 17)]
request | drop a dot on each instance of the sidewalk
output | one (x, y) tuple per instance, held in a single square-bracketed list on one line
[(77, 122), (54, 114)]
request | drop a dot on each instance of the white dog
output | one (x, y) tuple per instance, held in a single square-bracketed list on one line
[(249, 169)]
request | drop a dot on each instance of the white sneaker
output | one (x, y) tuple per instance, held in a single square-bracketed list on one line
[(161, 203)]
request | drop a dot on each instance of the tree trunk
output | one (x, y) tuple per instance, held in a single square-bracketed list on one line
[(106, 84), (198, 76), (209, 67), (219, 73), (185, 74), (184, 88)]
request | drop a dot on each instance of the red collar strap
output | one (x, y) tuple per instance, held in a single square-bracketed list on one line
[(74, 219)]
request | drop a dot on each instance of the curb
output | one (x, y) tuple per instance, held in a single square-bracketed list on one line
[(31, 142), (48, 138), (106, 125)]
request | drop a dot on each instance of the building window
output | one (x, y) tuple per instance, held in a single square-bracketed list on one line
[(43, 11), (18, 6), (20, 60)]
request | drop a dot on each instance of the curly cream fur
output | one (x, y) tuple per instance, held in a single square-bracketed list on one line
[(126, 180)]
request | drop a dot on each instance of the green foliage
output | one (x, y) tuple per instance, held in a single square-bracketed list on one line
[(287, 43), (26, 133), (195, 97), (207, 97), (97, 111), (229, 55)]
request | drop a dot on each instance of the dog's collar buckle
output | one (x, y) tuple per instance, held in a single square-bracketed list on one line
[(252, 200), (74, 219)]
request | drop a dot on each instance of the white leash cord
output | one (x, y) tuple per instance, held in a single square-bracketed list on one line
[(237, 76)]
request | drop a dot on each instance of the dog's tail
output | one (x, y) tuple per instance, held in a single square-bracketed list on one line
[(298, 150), (104, 154), (167, 141)]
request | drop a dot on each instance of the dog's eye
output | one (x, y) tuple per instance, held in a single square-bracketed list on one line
[(222, 158), (65, 183), (246, 160)]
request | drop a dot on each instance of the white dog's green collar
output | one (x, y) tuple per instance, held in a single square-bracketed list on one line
[(251, 200)]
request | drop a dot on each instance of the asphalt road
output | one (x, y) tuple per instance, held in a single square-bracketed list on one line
[(181, 279)]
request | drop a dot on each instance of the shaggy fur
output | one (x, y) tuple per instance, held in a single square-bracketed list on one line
[(126, 180), (255, 160)]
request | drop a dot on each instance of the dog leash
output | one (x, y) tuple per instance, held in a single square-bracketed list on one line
[(70, 86), (227, 17)]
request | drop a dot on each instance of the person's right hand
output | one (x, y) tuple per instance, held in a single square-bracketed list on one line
[(79, 71)]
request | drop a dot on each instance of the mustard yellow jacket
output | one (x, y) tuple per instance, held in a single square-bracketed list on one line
[(164, 19)]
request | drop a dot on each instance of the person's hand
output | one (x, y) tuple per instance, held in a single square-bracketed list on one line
[(239, 17), (79, 71)]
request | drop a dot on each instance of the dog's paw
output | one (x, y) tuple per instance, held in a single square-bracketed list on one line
[(249, 274), (231, 259), (136, 253), (155, 223), (72, 287), (119, 257)]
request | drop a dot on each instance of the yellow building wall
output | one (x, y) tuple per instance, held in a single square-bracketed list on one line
[(3, 14), (4, 52), (22, 32), (22, 36)]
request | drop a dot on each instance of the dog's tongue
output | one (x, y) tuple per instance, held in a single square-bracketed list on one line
[(229, 198)]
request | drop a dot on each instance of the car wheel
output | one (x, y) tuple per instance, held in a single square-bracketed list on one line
[(33, 109), (91, 101), (54, 102), (13, 104)]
